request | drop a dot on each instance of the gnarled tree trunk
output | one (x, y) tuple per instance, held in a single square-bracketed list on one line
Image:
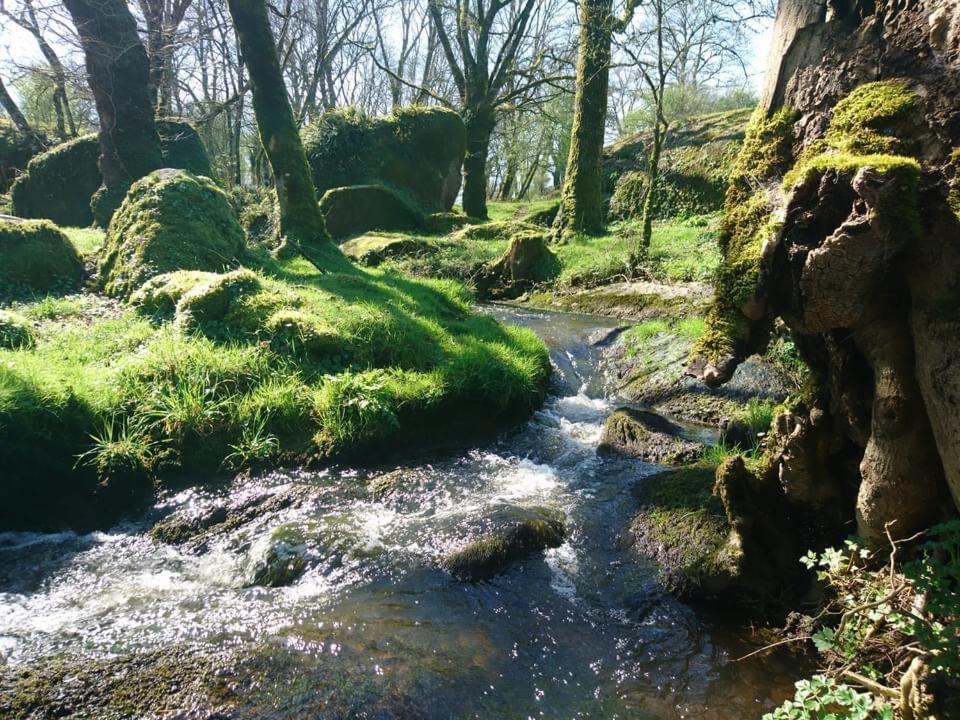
[(858, 252)]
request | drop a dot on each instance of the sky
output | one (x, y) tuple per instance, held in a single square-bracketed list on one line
[(17, 44)]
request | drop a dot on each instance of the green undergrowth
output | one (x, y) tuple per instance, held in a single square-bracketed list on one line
[(267, 366), (636, 338)]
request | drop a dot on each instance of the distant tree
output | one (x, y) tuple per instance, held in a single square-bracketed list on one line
[(28, 19), (118, 72), (483, 43), (581, 207), (163, 19), (13, 110)]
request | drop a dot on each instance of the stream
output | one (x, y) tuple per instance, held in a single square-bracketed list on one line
[(375, 628)]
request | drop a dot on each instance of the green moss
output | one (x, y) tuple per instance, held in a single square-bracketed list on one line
[(59, 184), (682, 526), (866, 121), (35, 256), (748, 223), (374, 248), (209, 303), (358, 209), (169, 221), (846, 163), (15, 332), (415, 150)]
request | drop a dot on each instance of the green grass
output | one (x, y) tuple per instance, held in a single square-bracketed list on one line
[(500, 211), (88, 241), (299, 365)]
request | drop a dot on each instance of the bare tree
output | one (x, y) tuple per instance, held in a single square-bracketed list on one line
[(162, 18), (483, 43), (28, 19)]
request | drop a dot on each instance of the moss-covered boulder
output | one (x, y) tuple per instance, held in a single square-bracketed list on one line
[(15, 332), (59, 184), (35, 256), (417, 150), (16, 149), (517, 532), (646, 436), (170, 220), (694, 168), (373, 249), (355, 210)]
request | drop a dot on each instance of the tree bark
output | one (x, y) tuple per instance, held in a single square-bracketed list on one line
[(653, 182), (581, 207), (479, 122), (301, 223), (118, 73), (11, 108)]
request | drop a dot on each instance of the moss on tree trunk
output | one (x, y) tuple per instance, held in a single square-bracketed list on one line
[(118, 72), (301, 223), (581, 208)]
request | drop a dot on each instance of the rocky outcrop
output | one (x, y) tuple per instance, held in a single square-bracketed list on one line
[(35, 256), (358, 209), (842, 221)]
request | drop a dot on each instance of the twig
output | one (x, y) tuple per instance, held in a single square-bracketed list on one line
[(773, 645), (872, 685)]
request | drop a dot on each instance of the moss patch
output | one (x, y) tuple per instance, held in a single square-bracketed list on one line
[(683, 527), (373, 249), (35, 256), (170, 220)]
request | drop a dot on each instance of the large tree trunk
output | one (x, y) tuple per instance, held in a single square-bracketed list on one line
[(479, 122), (118, 72), (581, 208), (301, 223), (859, 256)]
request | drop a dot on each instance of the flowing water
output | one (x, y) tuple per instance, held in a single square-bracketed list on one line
[(375, 628)]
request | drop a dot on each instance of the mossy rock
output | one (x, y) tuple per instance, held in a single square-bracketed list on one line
[(209, 302), (170, 220), (16, 150), (36, 256), (544, 217), (416, 150), (279, 558), (15, 332), (683, 527), (646, 436), (444, 223), (359, 209), (60, 184), (373, 249), (530, 530)]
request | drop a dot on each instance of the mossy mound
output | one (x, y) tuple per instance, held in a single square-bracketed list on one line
[(16, 149), (531, 530), (15, 332), (373, 249), (543, 217), (247, 368), (35, 256), (416, 150), (502, 231), (59, 184), (170, 220), (443, 223), (694, 168), (683, 527), (355, 210), (647, 436)]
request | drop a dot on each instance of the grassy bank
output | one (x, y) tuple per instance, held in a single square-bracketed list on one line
[(276, 364)]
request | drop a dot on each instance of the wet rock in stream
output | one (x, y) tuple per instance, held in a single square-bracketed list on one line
[(516, 533), (644, 435)]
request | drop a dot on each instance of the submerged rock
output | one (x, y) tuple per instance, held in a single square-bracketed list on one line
[(518, 532), (360, 208), (170, 220), (279, 558), (35, 256), (646, 436)]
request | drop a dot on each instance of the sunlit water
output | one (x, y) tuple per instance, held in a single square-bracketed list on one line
[(579, 631)]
